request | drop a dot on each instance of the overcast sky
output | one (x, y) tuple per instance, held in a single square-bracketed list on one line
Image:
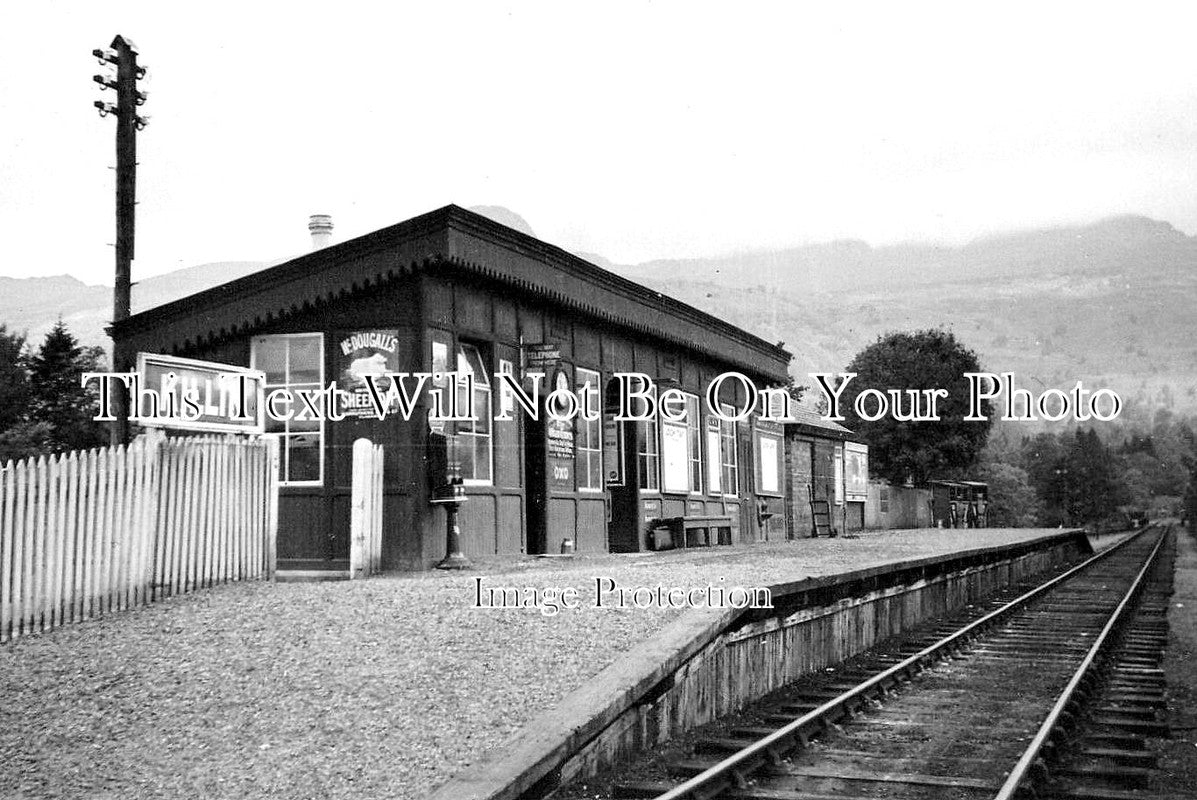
[(633, 130)]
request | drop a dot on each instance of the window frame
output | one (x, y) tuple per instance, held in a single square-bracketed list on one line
[(730, 469), (694, 437), (713, 442), (286, 433), (582, 431), (648, 431), (487, 413)]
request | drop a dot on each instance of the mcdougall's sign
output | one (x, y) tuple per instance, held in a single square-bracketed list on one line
[(366, 355)]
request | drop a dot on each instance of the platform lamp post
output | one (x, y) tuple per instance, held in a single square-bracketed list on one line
[(451, 494), (122, 53)]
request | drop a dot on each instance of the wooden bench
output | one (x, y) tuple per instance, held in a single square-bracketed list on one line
[(701, 531)]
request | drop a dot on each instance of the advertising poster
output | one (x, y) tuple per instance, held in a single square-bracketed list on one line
[(360, 354), (674, 465), (560, 445), (856, 472)]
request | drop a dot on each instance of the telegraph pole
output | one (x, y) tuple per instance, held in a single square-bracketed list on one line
[(122, 53)]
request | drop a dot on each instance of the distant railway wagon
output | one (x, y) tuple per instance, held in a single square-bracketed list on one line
[(454, 292), (959, 504)]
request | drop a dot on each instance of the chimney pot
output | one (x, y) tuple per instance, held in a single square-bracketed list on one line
[(321, 228)]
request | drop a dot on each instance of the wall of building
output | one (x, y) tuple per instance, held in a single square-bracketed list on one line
[(810, 470), (495, 518), (457, 308), (314, 520), (799, 459), (891, 506)]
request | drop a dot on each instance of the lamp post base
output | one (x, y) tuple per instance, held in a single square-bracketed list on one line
[(454, 561), (455, 558)]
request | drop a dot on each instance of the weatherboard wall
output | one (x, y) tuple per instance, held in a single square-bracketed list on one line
[(495, 518)]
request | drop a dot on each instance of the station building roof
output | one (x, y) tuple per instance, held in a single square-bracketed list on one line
[(450, 237), (807, 422)]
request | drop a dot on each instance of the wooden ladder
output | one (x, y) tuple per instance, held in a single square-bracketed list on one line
[(820, 515)]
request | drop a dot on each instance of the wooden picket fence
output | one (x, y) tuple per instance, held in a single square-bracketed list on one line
[(365, 516), (87, 533)]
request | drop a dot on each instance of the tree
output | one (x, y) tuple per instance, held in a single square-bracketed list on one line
[(1190, 498), (14, 379), (25, 439), (58, 397), (1013, 502), (918, 450), (1189, 501), (1082, 485)]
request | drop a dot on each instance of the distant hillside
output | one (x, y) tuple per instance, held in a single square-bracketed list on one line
[(1117, 245), (1109, 303), (504, 216), (33, 305)]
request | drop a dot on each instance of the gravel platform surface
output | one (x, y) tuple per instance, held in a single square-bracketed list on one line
[(381, 688)]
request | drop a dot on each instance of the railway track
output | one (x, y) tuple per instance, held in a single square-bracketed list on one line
[(1050, 693)]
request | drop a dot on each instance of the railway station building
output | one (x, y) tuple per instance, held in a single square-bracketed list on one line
[(824, 462), (454, 291)]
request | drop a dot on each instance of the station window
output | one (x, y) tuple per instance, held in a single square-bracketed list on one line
[(294, 361), (731, 460), (588, 440), (648, 454), (714, 456), (475, 439), (694, 441)]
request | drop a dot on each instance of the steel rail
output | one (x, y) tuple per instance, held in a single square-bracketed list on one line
[(734, 770), (1030, 756)]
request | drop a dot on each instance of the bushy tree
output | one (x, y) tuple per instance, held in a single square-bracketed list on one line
[(1141, 461), (1079, 480), (25, 439), (919, 451), (57, 396), (1190, 498), (14, 378), (1013, 502), (1040, 455), (1189, 501)]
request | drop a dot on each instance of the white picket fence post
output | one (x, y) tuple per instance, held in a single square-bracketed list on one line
[(365, 516)]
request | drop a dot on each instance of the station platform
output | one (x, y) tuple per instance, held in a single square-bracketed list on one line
[(390, 686)]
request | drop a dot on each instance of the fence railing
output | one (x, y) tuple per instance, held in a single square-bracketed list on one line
[(365, 516), (86, 533)]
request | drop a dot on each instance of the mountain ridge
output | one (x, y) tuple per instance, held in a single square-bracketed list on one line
[(1107, 301)]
